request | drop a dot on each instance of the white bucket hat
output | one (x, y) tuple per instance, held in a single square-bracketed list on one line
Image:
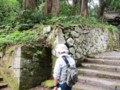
[(61, 48)]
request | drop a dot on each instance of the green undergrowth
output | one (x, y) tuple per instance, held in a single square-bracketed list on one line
[(48, 83), (69, 21), (32, 35), (18, 37), (15, 38), (25, 37)]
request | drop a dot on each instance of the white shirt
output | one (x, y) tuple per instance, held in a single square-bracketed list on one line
[(61, 67)]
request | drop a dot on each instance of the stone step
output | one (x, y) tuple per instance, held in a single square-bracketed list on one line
[(3, 85), (98, 73), (113, 55), (101, 67), (81, 86), (106, 57), (103, 61), (106, 84)]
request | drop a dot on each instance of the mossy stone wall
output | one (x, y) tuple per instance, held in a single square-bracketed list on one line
[(29, 65), (35, 66), (83, 41)]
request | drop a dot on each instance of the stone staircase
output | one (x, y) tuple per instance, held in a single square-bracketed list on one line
[(100, 72)]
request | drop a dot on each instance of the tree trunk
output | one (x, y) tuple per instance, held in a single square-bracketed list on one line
[(55, 7), (48, 7), (51, 7), (84, 8), (74, 2), (29, 4), (101, 9)]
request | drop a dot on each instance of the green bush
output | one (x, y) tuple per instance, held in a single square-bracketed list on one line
[(30, 16), (26, 19), (8, 11), (91, 22), (17, 37), (65, 9)]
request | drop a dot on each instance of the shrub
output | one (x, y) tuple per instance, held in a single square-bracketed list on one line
[(8, 11)]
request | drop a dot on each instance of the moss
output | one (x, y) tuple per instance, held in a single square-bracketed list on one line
[(112, 43), (5, 70), (48, 83), (34, 59), (10, 51), (9, 78)]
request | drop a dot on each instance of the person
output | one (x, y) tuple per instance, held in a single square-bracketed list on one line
[(60, 68)]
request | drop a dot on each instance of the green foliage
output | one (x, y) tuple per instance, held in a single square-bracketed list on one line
[(8, 11), (30, 16), (27, 18), (24, 26), (68, 21), (111, 28), (38, 53), (65, 9), (17, 37), (114, 5), (48, 83), (93, 12)]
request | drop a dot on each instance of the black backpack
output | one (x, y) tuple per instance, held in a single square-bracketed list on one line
[(72, 73)]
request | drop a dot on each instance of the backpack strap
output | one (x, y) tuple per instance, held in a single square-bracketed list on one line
[(66, 61)]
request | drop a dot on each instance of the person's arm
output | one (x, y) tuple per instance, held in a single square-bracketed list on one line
[(55, 83), (56, 74)]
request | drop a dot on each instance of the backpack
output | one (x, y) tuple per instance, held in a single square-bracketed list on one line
[(72, 73)]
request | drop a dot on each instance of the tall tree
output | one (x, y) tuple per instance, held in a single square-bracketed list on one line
[(55, 7), (29, 4), (51, 7), (74, 2), (102, 5), (84, 8), (48, 7)]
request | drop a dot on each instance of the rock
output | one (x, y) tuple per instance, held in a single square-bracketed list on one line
[(66, 35), (72, 50), (78, 56), (85, 32), (47, 29), (81, 38), (74, 34), (77, 40), (78, 29), (60, 37), (70, 42), (80, 50)]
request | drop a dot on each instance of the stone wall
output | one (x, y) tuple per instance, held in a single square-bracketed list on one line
[(86, 41), (30, 65), (83, 41), (119, 34)]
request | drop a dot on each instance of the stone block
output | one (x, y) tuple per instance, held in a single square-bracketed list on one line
[(70, 42), (74, 34)]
